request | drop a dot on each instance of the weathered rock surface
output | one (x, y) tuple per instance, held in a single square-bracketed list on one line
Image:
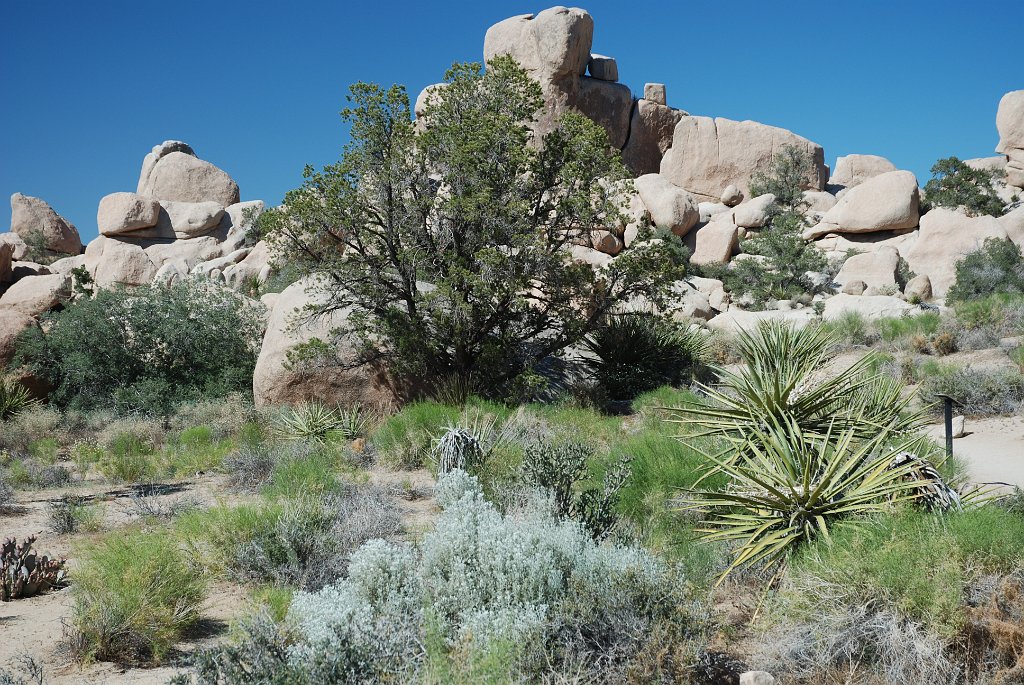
[(919, 288), (714, 289), (871, 307), (603, 68), (754, 212), (607, 104), (37, 295), (715, 242), (17, 244), (186, 220), (875, 270), (731, 196), (945, 237), (154, 156), (854, 286), (6, 262), (651, 127), (655, 92), (885, 202), (126, 212), (182, 177), (707, 155), (1010, 124), (12, 323), (852, 170), (736, 320), (30, 215), (274, 384), (671, 207)]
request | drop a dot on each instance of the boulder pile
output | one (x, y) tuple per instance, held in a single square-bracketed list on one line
[(693, 177)]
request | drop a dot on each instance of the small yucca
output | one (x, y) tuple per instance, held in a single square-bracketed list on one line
[(14, 398), (316, 422)]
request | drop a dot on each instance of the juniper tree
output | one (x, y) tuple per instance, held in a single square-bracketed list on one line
[(447, 240)]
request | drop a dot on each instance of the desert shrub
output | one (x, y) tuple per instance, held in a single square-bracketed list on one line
[(25, 472), (406, 439), (28, 671), (636, 353), (997, 267), (851, 329), (304, 542), (135, 594), (481, 579), (956, 185), (251, 466), (915, 564), (999, 314), (301, 473), (70, 514), (161, 347), (35, 422), (982, 392), (227, 416), (129, 458), (195, 450), (860, 643)]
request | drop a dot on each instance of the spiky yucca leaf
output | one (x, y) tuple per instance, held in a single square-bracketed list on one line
[(316, 422), (792, 487), (783, 380), (14, 398)]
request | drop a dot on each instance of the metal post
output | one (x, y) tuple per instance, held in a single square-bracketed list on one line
[(947, 408)]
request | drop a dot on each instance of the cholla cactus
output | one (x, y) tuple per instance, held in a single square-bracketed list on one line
[(457, 448), (23, 573)]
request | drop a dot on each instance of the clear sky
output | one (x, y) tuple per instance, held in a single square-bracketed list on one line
[(255, 87)]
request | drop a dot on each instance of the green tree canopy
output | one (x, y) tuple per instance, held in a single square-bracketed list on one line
[(954, 184), (448, 240)]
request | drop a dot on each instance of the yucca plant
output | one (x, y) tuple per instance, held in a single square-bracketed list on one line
[(790, 486), (316, 422), (785, 380), (14, 398)]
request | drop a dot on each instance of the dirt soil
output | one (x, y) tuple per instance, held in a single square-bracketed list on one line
[(992, 448)]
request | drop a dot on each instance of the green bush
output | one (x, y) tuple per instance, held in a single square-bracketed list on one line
[(998, 267), (956, 185), (915, 564), (129, 459), (159, 347), (405, 439), (636, 353), (135, 594), (981, 392)]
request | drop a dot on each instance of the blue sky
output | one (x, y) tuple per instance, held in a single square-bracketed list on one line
[(255, 87)]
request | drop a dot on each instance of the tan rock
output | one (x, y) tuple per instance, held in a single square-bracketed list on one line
[(852, 170), (714, 289), (6, 262), (871, 307), (20, 270), (184, 220), (606, 241), (67, 264), (330, 381), (1010, 124), (819, 201), (30, 215), (113, 261), (854, 286), (918, 288), (607, 104), (715, 243), (671, 207), (125, 212), (690, 303), (732, 196), (603, 68), (886, 202), (590, 256), (17, 243), (736, 320), (945, 237), (655, 92), (12, 323), (754, 212), (37, 295), (874, 269), (181, 177), (154, 156), (707, 155), (1013, 224), (651, 126)]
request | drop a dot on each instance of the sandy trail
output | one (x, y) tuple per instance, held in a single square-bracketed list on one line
[(992, 448)]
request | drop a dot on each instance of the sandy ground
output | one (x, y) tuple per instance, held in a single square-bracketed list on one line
[(36, 626), (992, 448)]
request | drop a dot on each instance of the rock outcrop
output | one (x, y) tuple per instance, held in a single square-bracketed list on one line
[(1010, 124), (177, 174), (126, 212), (708, 155), (946, 236), (886, 202), (671, 207), (852, 170), (875, 269), (31, 216), (329, 380)]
